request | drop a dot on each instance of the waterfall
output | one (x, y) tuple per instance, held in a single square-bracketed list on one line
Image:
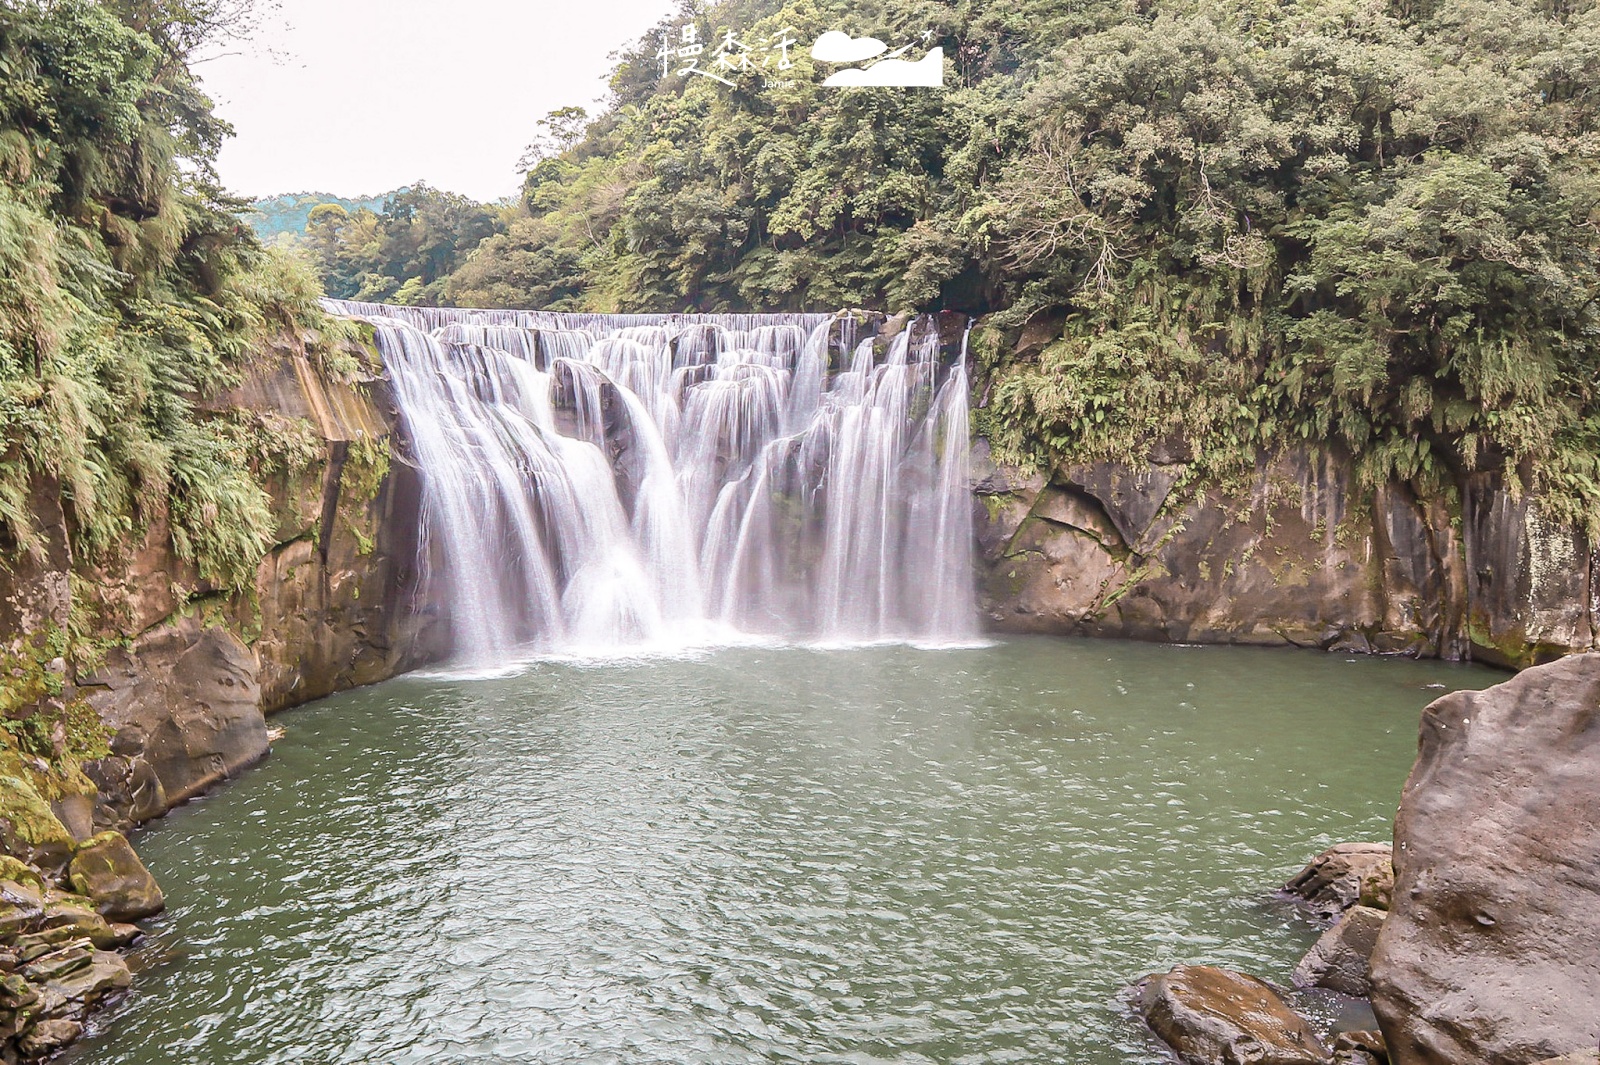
[(594, 483)]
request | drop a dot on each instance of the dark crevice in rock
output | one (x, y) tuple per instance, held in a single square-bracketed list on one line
[(338, 455)]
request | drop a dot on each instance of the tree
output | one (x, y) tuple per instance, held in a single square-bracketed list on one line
[(558, 132)]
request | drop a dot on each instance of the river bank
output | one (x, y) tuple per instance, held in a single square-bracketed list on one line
[(131, 684), (1473, 938)]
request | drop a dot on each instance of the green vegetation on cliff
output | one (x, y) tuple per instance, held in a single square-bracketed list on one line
[(1343, 223), (1232, 226), (129, 288)]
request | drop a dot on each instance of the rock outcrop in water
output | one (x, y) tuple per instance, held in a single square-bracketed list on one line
[(1300, 556), (1491, 953), (1212, 1016), (57, 963), (1341, 958), (105, 870), (1345, 875)]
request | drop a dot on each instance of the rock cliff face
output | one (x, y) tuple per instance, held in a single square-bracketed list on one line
[(1491, 952), (1299, 555), (189, 672)]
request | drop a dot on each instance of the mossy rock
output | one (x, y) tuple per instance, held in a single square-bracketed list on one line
[(108, 871), (1377, 887), (79, 918), (19, 872), (29, 828)]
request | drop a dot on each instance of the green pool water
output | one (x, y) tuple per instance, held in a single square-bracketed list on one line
[(762, 855)]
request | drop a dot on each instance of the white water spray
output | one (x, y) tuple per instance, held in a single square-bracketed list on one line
[(599, 483)]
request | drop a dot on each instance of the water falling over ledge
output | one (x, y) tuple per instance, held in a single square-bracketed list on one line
[(601, 484)]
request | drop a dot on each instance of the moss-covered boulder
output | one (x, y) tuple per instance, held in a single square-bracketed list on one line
[(106, 869), (77, 916), (19, 872), (29, 829)]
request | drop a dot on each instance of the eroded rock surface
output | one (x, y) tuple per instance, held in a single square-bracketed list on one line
[(1340, 959), (1212, 1016), (56, 962), (1343, 876), (1300, 554), (185, 696), (1491, 953), (187, 671), (107, 870)]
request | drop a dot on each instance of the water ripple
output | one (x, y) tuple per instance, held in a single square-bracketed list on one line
[(761, 855)]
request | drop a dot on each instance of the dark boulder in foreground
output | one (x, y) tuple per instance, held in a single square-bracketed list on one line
[(1213, 1016), (1343, 876), (1491, 952)]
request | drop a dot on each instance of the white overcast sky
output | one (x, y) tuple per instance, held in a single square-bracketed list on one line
[(367, 95)]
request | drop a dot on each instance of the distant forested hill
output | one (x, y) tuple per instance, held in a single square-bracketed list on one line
[(398, 248), (288, 213)]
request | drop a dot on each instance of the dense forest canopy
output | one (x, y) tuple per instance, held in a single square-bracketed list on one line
[(129, 287), (402, 252), (1370, 223), (400, 247)]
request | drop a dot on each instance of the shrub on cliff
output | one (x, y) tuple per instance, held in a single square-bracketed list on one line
[(1339, 222), (129, 288)]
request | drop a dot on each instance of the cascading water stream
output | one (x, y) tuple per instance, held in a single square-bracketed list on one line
[(595, 483)]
